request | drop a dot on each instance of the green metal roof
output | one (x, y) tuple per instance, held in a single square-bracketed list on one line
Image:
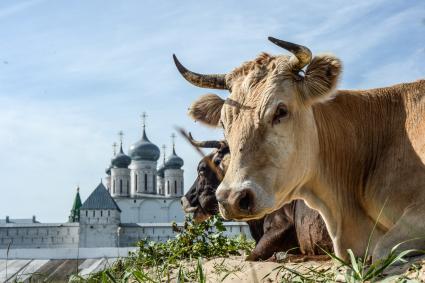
[(75, 210)]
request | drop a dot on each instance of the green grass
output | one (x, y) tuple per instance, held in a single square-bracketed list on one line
[(181, 260), (174, 259)]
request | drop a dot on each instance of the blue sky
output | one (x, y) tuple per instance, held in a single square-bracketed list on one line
[(74, 73)]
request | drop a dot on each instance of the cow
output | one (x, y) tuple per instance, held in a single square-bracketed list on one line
[(356, 156), (294, 227)]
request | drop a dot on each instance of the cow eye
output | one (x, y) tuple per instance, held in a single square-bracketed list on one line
[(281, 113)]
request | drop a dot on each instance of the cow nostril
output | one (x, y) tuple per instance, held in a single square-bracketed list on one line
[(245, 201)]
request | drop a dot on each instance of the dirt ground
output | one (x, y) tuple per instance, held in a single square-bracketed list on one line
[(235, 269)]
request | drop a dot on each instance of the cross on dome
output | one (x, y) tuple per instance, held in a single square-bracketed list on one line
[(164, 147), (114, 148), (121, 135), (173, 140), (144, 116)]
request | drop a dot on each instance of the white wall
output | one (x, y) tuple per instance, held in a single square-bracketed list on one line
[(120, 182), (150, 209), (39, 235), (131, 233), (66, 253), (141, 168), (173, 177)]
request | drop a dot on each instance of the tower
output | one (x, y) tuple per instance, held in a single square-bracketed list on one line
[(120, 174), (108, 169), (75, 210), (173, 174), (144, 156), (160, 174), (99, 220)]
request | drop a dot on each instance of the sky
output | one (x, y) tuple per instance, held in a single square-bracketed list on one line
[(75, 73)]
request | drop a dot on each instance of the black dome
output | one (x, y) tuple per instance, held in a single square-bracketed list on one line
[(174, 161), (121, 160), (144, 150)]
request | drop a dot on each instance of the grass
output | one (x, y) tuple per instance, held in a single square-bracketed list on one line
[(179, 259)]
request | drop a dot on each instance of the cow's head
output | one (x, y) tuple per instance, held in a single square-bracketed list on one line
[(200, 199), (269, 125)]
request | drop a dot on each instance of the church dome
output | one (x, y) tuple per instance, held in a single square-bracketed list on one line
[(144, 150), (174, 161), (121, 160), (108, 169), (160, 171)]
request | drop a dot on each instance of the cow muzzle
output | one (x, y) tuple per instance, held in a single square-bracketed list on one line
[(187, 208), (244, 201), (236, 204)]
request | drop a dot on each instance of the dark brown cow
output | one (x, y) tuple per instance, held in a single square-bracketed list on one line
[(293, 227)]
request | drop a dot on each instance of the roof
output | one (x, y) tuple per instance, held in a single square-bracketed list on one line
[(100, 199), (174, 161), (8, 220), (144, 149), (75, 210)]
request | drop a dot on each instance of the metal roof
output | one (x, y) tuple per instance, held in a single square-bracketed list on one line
[(8, 220), (100, 199)]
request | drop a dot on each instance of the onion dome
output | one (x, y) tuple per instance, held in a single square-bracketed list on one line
[(114, 152), (108, 169), (161, 168), (144, 149), (160, 171), (121, 160), (174, 161)]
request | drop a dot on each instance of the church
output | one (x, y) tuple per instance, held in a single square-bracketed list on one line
[(139, 200)]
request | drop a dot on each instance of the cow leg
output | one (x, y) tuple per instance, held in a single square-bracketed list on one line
[(410, 227), (274, 241)]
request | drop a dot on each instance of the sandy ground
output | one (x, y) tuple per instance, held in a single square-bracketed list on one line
[(234, 269)]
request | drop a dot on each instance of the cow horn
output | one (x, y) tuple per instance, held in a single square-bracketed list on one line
[(302, 53), (204, 144), (217, 81)]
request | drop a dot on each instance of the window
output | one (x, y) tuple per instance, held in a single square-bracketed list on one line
[(93, 213), (128, 187), (146, 182), (101, 213), (168, 187), (113, 186), (109, 213), (135, 182), (87, 213), (175, 187), (120, 186), (154, 182)]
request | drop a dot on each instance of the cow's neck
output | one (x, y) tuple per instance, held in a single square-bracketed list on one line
[(356, 132)]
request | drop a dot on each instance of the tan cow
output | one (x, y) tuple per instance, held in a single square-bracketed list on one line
[(357, 156)]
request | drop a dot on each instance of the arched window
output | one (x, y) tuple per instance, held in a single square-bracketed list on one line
[(168, 187), (175, 187), (146, 182), (101, 213), (128, 187), (135, 182), (87, 213), (113, 186), (120, 186), (109, 213)]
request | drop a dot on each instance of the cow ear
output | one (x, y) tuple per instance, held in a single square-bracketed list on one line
[(321, 79), (207, 109)]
